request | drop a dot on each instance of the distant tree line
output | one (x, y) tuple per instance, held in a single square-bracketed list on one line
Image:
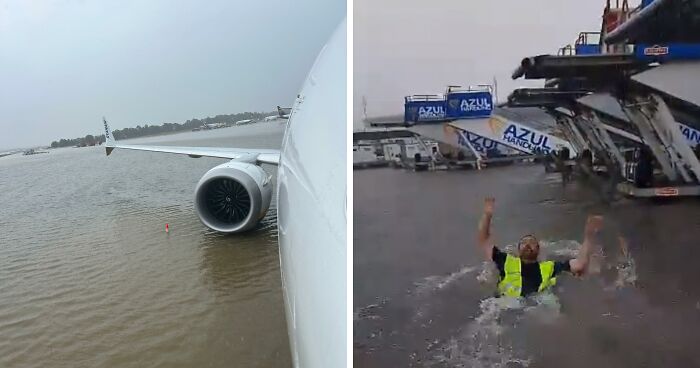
[(146, 130)]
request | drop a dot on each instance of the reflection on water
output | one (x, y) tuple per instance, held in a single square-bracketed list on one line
[(414, 248), (89, 277)]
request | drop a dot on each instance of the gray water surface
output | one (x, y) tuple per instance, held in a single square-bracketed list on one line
[(423, 294), (90, 278)]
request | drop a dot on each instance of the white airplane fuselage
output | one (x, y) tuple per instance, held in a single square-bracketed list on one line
[(311, 202)]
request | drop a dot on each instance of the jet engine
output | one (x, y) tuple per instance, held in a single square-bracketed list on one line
[(233, 197)]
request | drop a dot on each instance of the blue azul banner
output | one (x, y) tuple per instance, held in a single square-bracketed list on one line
[(418, 111), (484, 146), (469, 105), (527, 139), (691, 134), (678, 51)]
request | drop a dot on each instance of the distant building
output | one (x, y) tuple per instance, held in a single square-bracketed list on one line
[(389, 145)]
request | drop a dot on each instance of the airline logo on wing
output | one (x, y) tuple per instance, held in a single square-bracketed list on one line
[(107, 136)]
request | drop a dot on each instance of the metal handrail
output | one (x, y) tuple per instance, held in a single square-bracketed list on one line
[(470, 88), (413, 98), (583, 38), (567, 50), (448, 90)]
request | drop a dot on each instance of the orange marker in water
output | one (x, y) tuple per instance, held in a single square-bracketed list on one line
[(167, 228)]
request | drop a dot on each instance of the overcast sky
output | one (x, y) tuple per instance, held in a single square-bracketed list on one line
[(66, 63), (404, 47)]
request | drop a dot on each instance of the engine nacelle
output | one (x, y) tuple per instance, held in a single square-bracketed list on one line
[(233, 197)]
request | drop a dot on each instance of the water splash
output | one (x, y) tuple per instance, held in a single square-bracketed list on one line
[(438, 282), (488, 340), (370, 311), (560, 248), (626, 273), (568, 249), (625, 266), (484, 341), (488, 274), (431, 284)]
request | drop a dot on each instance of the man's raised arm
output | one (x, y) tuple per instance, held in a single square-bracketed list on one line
[(484, 240), (579, 265)]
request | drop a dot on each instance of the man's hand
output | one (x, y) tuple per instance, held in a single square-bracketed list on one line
[(489, 204), (579, 265), (594, 224)]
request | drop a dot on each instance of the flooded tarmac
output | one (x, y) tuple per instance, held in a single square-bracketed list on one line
[(424, 296), (90, 278)]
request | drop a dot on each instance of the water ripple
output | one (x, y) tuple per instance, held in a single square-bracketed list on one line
[(89, 277)]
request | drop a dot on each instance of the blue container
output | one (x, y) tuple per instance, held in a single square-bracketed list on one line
[(587, 49)]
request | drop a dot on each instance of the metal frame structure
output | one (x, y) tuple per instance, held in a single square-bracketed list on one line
[(648, 120)]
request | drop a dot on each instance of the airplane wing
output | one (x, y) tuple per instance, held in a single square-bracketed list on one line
[(267, 156)]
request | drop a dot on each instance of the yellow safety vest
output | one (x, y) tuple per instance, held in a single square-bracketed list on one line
[(512, 282)]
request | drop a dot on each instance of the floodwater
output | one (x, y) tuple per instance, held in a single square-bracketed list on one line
[(90, 278), (423, 294)]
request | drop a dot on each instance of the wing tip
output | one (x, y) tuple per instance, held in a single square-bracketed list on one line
[(109, 137)]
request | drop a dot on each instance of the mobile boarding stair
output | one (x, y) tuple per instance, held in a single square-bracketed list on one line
[(466, 118), (634, 67), (598, 153)]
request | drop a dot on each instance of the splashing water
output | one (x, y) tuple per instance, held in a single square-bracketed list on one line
[(488, 274), (431, 284), (626, 273), (369, 311), (567, 249), (626, 268), (488, 339), (560, 248), (438, 282), (484, 342)]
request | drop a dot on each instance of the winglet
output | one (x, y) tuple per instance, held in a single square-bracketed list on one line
[(109, 138)]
